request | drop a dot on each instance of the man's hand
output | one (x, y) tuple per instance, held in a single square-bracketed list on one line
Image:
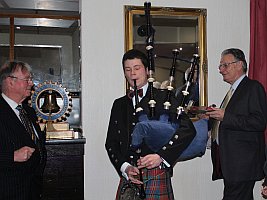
[(133, 174), (23, 154), (264, 189), (149, 161), (217, 114), (264, 192)]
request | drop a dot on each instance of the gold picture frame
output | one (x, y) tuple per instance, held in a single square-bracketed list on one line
[(192, 18)]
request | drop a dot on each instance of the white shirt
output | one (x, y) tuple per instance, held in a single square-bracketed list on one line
[(237, 82), (144, 88), (14, 105)]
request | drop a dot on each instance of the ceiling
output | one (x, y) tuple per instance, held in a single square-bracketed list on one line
[(67, 8), (40, 5), (61, 8)]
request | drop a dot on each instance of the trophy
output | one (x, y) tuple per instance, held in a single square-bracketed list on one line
[(51, 116)]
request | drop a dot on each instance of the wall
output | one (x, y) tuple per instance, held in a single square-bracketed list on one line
[(102, 81)]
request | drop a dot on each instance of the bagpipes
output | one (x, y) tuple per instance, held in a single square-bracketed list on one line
[(157, 131)]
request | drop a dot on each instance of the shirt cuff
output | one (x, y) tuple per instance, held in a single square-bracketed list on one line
[(123, 168), (165, 162)]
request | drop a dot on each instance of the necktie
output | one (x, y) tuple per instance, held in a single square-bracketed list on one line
[(29, 127), (215, 128), (26, 122), (139, 92)]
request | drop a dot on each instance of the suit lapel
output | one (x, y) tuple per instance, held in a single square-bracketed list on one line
[(33, 120), (237, 92), (10, 117)]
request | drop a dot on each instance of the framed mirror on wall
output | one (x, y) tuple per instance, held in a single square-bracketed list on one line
[(175, 28)]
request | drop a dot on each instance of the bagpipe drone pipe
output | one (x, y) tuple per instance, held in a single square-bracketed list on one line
[(155, 128)]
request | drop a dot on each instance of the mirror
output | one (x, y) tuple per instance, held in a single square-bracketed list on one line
[(175, 28), (50, 46), (50, 42)]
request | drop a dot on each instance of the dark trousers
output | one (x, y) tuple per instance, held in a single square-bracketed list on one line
[(20, 187), (238, 190)]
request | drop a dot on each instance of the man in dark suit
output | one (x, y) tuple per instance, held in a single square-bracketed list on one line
[(238, 149), (156, 166), (22, 154)]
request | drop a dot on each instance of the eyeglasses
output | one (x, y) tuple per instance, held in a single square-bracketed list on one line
[(23, 79), (225, 65)]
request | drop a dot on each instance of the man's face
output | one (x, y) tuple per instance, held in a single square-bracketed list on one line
[(21, 85), (230, 68), (134, 69)]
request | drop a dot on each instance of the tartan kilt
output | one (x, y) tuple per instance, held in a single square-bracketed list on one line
[(157, 183)]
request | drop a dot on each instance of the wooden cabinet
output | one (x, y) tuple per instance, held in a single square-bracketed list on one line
[(64, 172)]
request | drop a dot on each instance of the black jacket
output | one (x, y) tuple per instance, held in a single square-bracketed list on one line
[(123, 119), (21, 179), (241, 134)]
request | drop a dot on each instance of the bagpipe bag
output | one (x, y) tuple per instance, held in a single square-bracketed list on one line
[(156, 133)]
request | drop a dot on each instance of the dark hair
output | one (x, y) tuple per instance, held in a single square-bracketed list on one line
[(238, 55), (132, 54)]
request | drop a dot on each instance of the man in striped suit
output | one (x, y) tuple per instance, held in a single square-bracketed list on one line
[(22, 158)]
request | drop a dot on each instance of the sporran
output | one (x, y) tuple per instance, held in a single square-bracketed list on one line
[(129, 191)]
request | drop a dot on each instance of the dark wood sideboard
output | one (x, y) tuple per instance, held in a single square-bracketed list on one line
[(64, 172)]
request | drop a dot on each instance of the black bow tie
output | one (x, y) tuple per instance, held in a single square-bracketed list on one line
[(139, 92)]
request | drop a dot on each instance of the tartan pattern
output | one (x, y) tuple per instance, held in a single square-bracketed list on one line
[(157, 184)]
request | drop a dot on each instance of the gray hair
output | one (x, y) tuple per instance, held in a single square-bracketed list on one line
[(238, 55), (10, 67)]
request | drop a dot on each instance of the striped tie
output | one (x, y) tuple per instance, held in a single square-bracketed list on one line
[(26, 122), (215, 128)]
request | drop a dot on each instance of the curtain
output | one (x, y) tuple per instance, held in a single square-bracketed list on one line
[(258, 43)]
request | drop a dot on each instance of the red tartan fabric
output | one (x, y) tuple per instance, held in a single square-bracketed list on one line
[(157, 184)]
